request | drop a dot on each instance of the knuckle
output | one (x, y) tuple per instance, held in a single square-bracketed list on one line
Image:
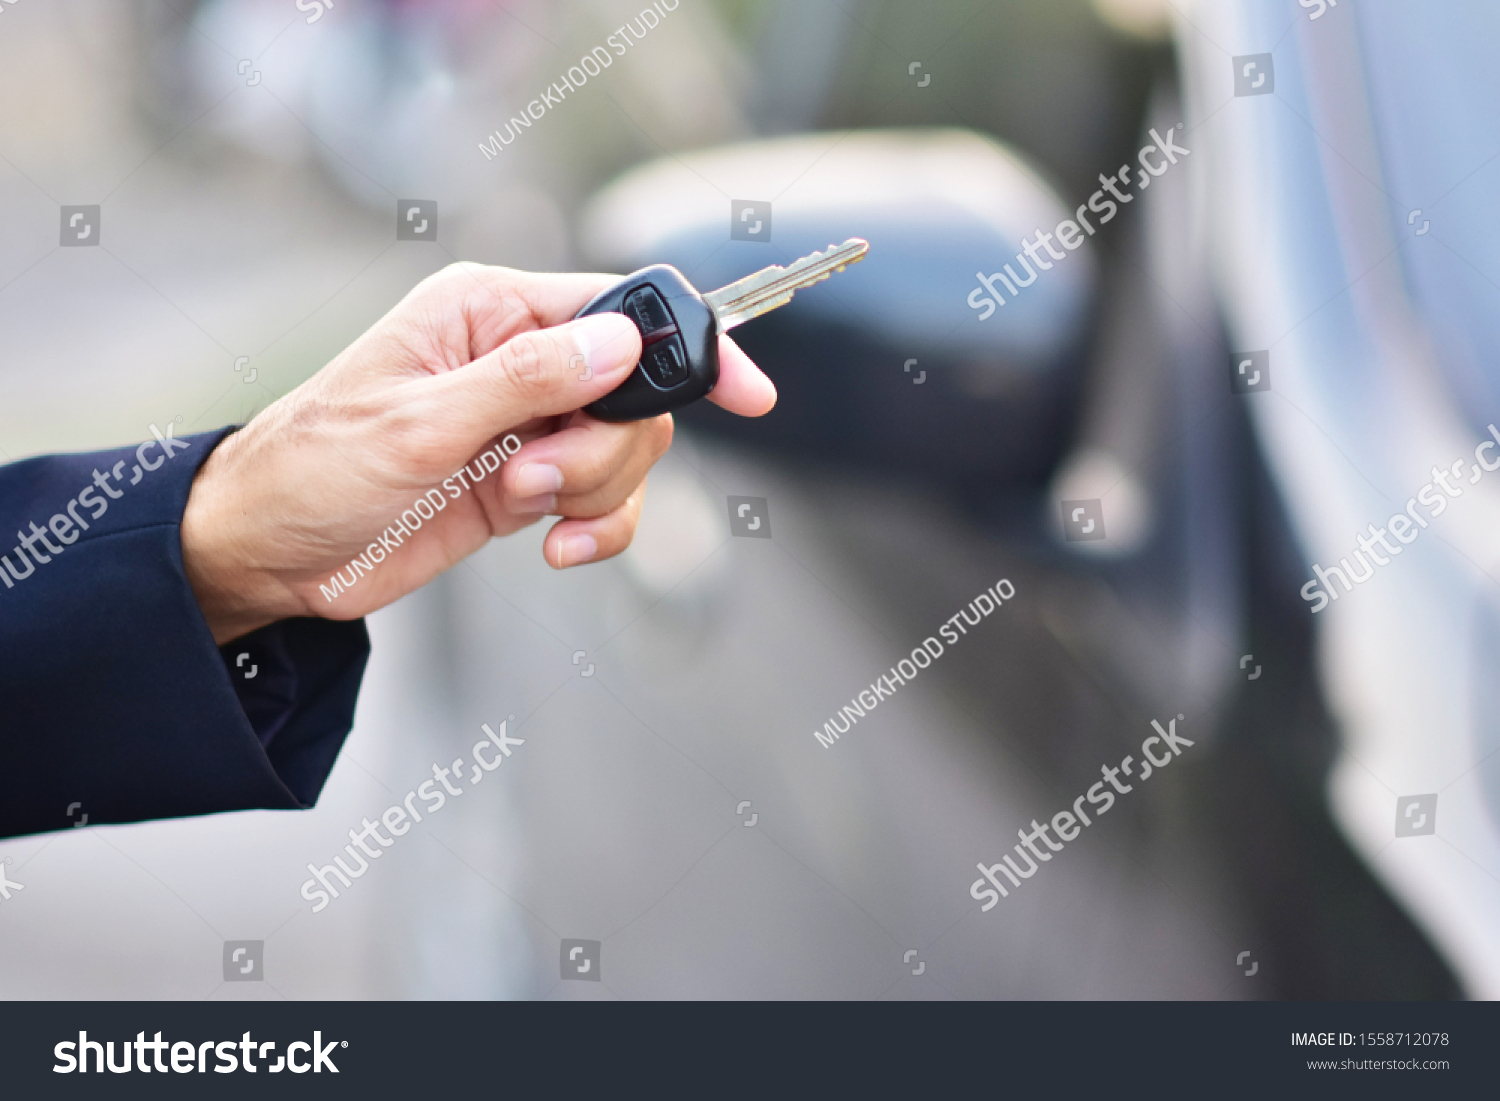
[(440, 282), (459, 271), (594, 469), (612, 507), (526, 364)]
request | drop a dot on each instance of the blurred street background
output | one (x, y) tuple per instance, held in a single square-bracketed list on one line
[(248, 158)]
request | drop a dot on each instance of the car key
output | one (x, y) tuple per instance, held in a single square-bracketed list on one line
[(680, 328)]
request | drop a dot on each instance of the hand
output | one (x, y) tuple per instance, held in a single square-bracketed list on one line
[(472, 354)]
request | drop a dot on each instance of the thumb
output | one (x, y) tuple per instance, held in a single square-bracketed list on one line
[(541, 373)]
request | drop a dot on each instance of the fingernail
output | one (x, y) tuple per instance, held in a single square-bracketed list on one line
[(575, 550), (535, 478), (530, 505), (605, 340)]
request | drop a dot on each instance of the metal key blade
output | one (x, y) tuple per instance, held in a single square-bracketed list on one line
[(748, 298)]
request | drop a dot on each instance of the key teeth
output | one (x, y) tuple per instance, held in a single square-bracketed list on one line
[(748, 303)]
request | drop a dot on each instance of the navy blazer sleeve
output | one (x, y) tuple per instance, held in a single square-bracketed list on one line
[(114, 701)]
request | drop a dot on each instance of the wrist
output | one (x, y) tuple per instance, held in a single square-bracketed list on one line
[(234, 596)]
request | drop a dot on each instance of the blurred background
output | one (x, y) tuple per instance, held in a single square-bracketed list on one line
[(671, 801)]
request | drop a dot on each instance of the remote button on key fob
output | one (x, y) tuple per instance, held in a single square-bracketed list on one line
[(648, 311), (680, 328), (665, 363)]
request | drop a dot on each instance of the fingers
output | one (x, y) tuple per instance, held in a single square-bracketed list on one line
[(576, 542), (503, 297), (743, 388), (544, 372), (501, 301), (589, 466), (536, 374)]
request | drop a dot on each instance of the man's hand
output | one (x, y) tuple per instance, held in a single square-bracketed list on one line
[(467, 357)]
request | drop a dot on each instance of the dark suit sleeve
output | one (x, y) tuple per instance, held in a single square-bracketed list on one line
[(114, 700)]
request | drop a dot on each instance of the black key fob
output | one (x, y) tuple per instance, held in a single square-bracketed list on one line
[(679, 344)]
